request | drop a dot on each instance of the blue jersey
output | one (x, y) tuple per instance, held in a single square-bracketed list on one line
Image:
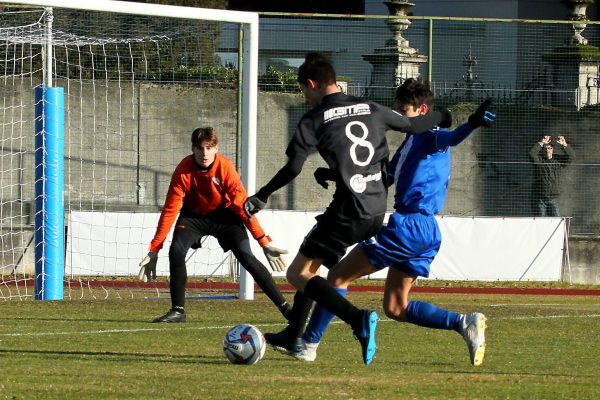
[(420, 169)]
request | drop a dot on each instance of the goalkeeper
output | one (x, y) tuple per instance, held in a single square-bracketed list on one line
[(208, 195), (420, 169)]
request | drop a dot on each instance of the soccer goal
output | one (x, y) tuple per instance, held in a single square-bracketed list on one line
[(99, 100)]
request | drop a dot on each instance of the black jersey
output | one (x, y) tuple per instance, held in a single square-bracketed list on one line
[(349, 133)]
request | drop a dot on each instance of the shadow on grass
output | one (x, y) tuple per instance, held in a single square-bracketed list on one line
[(124, 357), (147, 320)]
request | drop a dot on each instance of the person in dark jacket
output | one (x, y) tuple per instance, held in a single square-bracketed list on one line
[(548, 169)]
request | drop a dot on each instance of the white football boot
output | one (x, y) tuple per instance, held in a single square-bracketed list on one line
[(473, 331), (309, 351)]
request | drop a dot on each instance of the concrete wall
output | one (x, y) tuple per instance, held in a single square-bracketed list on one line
[(584, 254)]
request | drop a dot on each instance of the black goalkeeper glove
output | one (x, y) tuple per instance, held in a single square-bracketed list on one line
[(483, 116), (322, 175), (253, 205)]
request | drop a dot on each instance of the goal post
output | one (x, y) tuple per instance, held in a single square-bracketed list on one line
[(49, 183), (248, 88)]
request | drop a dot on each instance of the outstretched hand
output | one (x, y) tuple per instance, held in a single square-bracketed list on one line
[(273, 255), (148, 267), (483, 116)]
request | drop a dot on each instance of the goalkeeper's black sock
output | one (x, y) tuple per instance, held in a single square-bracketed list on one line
[(177, 282), (298, 315), (263, 279), (318, 289)]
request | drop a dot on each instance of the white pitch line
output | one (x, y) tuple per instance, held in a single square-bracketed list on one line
[(80, 332), (204, 328), (550, 317), (104, 331), (535, 305)]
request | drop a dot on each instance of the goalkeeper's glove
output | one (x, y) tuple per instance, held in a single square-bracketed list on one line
[(322, 175), (273, 255), (148, 267), (483, 116), (253, 205)]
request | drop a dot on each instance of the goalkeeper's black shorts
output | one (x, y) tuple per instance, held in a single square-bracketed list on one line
[(330, 237), (222, 224)]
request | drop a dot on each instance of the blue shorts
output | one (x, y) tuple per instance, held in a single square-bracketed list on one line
[(409, 243)]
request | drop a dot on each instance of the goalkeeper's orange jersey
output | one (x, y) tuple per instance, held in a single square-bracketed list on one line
[(203, 192)]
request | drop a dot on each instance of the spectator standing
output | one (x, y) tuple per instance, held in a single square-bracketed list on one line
[(548, 167)]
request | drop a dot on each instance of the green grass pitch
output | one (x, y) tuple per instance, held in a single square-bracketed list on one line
[(538, 347)]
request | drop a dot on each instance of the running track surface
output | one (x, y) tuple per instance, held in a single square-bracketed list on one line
[(230, 286), (216, 286)]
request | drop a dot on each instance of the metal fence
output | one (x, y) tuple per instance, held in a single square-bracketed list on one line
[(135, 85), (542, 78)]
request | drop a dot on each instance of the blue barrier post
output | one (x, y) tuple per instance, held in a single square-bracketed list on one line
[(49, 189)]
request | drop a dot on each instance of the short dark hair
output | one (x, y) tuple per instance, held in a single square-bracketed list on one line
[(414, 91), (207, 134), (317, 67)]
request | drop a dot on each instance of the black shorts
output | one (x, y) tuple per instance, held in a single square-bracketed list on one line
[(330, 237), (223, 224)]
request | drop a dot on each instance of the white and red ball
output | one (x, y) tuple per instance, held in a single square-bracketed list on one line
[(244, 344)]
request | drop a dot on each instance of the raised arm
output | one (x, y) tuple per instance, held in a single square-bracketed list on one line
[(568, 155), (535, 151), (418, 124), (482, 117)]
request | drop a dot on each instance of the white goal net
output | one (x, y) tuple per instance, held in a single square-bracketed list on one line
[(135, 87)]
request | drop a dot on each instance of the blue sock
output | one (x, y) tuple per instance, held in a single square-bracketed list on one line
[(426, 314), (319, 321)]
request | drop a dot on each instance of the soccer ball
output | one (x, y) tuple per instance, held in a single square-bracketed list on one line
[(244, 344)]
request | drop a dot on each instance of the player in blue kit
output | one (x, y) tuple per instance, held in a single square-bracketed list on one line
[(420, 169), (349, 133)]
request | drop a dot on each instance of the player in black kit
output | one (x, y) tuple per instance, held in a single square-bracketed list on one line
[(349, 133)]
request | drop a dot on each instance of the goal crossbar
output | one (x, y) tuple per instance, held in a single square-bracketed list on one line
[(158, 10)]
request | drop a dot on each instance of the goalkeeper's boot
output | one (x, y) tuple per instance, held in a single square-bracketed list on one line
[(284, 342), (173, 315), (365, 333), (309, 351), (472, 329)]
